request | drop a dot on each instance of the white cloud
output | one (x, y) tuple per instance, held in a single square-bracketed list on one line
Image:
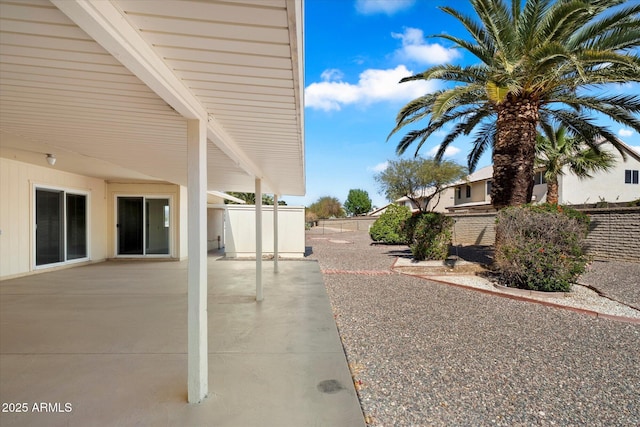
[(379, 167), (449, 152), (373, 86), (625, 132), (416, 49), (332, 74), (389, 7)]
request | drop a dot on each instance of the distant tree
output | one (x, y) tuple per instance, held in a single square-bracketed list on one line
[(358, 202), (327, 207), (420, 180), (250, 198), (555, 149), (310, 216)]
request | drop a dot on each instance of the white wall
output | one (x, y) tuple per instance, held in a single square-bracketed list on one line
[(607, 185), (240, 231), (17, 183), (447, 199), (215, 228)]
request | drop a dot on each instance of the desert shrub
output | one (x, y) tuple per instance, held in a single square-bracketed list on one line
[(388, 228), (541, 247), (429, 235)]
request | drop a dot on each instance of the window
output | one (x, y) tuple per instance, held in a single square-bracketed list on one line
[(539, 178), (489, 183), (630, 176), (61, 226), (458, 192), (468, 192)]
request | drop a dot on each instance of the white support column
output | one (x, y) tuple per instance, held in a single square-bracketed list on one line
[(275, 233), (198, 368), (259, 296)]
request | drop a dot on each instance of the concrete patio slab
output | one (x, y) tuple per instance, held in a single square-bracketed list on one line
[(106, 345)]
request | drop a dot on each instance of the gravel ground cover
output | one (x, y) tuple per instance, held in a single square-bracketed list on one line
[(428, 354), (618, 280)]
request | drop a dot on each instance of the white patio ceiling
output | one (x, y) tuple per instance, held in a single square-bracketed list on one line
[(107, 87)]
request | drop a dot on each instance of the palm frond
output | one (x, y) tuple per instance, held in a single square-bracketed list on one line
[(527, 22), (451, 98), (496, 19), (587, 129), (617, 25), (476, 30), (415, 110), (590, 161), (485, 137), (560, 21)]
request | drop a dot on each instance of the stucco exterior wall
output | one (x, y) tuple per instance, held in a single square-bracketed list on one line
[(478, 193), (17, 224), (603, 186), (215, 228), (240, 231)]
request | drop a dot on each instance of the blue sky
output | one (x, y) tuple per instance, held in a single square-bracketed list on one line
[(356, 51)]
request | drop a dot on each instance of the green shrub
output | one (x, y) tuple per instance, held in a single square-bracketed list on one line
[(388, 228), (541, 247), (429, 235)]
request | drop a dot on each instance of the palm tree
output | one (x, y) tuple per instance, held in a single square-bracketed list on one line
[(537, 63), (555, 150)]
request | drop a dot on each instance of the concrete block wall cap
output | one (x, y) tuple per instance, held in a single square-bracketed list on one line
[(527, 292)]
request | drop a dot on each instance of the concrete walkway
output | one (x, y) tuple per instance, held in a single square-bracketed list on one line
[(106, 345)]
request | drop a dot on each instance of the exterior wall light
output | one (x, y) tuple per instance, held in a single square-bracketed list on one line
[(51, 159)]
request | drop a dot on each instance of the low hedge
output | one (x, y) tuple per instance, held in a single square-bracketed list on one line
[(388, 227), (429, 235), (541, 247)]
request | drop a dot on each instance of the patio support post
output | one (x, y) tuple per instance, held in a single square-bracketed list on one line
[(259, 296), (197, 362), (275, 233)]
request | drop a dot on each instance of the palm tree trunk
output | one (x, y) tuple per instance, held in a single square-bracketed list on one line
[(514, 152), (552, 191)]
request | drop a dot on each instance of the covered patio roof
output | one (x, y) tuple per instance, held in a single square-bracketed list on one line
[(108, 87)]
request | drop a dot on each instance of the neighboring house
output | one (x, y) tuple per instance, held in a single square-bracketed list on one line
[(469, 193), (620, 184), (378, 211), (437, 204), (473, 193)]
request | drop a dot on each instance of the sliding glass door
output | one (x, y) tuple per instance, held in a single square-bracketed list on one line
[(143, 226), (61, 226)]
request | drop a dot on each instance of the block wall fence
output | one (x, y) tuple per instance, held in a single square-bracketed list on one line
[(614, 233)]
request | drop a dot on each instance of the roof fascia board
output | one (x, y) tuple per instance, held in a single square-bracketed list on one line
[(295, 12), (224, 195)]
